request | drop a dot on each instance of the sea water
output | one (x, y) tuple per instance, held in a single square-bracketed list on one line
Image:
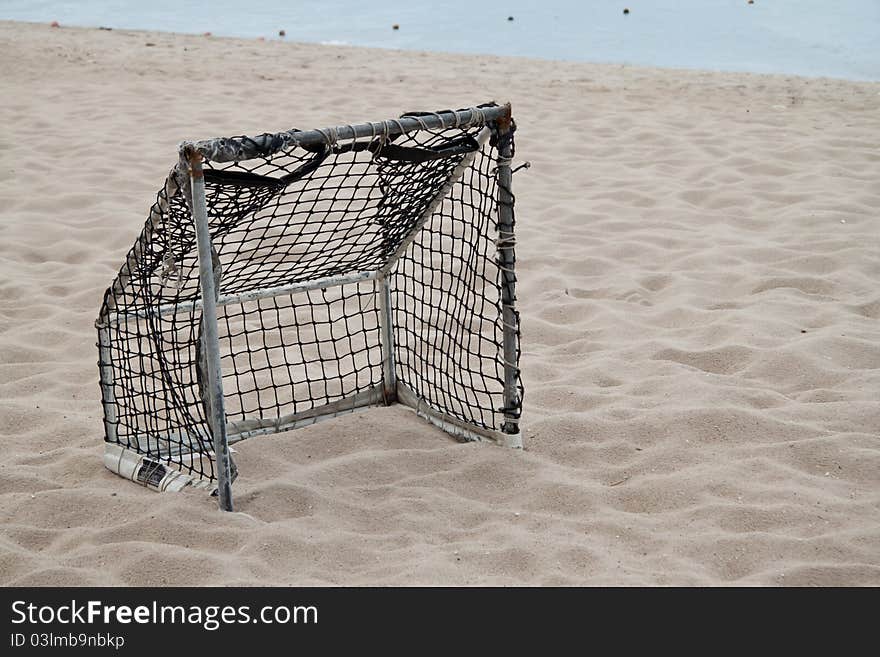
[(835, 38)]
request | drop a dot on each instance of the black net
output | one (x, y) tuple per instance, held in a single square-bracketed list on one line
[(303, 239)]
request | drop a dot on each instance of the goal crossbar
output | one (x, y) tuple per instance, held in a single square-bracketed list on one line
[(237, 149)]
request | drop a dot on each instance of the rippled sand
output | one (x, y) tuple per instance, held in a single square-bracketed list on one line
[(699, 263)]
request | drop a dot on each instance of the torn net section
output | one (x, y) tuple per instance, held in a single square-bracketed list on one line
[(299, 236)]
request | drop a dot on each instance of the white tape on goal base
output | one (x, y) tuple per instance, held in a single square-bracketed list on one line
[(148, 472)]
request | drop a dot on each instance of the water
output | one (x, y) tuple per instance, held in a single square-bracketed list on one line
[(835, 38)]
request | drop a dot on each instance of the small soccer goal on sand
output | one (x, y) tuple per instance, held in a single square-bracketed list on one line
[(289, 278)]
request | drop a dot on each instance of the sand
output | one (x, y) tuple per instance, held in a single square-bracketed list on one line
[(698, 258)]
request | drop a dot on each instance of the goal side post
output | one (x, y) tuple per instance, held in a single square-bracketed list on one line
[(506, 247), (210, 340)]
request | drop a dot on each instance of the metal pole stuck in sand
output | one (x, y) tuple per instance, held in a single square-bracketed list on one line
[(210, 340), (506, 247)]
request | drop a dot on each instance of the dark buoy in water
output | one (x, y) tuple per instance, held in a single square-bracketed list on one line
[(282, 33), (510, 18), (751, 2), (395, 27), (625, 11)]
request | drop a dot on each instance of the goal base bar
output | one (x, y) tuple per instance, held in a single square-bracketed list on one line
[(243, 429), (159, 476), (452, 425)]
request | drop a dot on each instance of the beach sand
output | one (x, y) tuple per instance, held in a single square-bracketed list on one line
[(698, 262)]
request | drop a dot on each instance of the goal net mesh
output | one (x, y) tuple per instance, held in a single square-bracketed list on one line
[(301, 240)]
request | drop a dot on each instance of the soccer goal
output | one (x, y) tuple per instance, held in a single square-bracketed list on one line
[(289, 278)]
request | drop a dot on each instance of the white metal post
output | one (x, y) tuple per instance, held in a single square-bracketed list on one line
[(386, 326), (210, 339)]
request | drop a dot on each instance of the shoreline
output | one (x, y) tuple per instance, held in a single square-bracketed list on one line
[(443, 53)]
